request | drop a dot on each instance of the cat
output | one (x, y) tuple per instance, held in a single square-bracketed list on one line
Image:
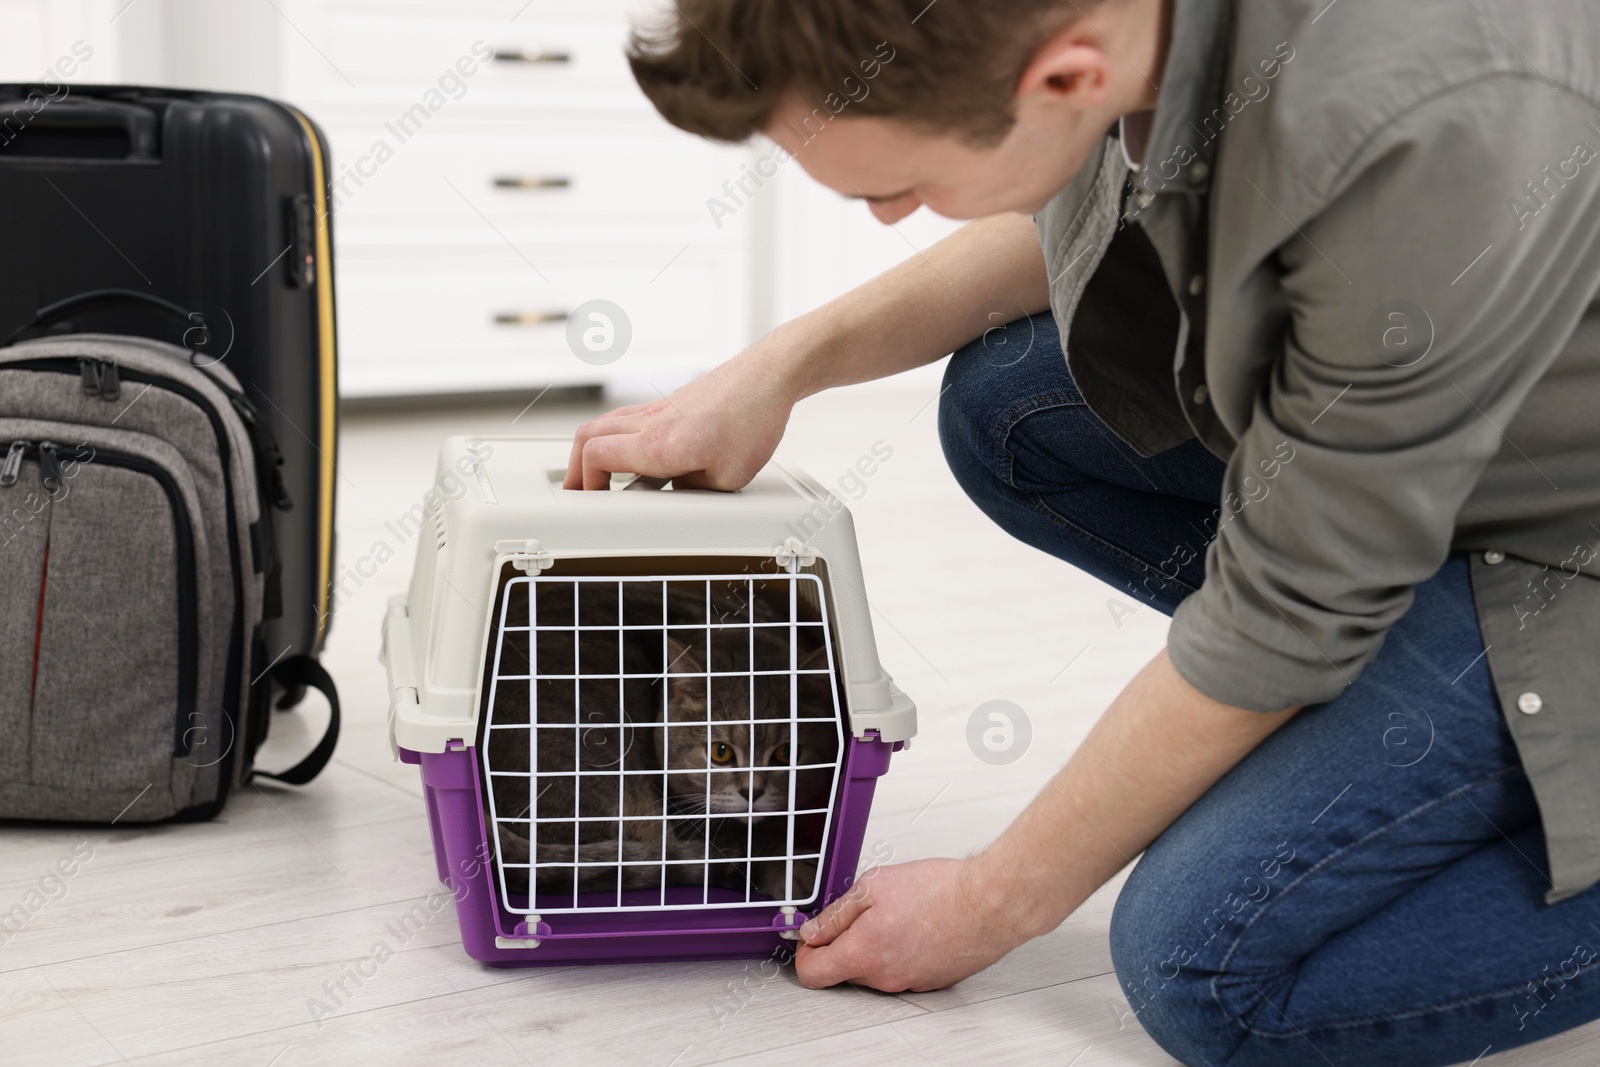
[(719, 766)]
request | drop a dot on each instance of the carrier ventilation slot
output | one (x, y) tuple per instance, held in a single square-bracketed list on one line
[(436, 509)]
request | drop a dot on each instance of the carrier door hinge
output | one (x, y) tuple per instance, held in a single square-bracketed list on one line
[(528, 556), (794, 551), (787, 922), (525, 934)]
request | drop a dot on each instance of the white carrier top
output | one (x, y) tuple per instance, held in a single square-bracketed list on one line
[(498, 501)]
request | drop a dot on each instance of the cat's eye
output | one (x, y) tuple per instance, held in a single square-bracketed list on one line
[(721, 752), (780, 755)]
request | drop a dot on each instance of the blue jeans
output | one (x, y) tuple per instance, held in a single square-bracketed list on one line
[(1366, 886)]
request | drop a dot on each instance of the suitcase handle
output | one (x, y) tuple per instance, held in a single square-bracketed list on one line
[(53, 313), (75, 124)]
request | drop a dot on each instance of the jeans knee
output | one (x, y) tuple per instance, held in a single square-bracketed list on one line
[(986, 383), (965, 433), (1158, 955), (1171, 955), (1141, 952)]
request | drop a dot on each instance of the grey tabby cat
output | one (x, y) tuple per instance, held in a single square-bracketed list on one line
[(722, 774)]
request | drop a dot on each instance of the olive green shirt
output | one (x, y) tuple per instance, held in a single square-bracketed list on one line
[(1372, 233)]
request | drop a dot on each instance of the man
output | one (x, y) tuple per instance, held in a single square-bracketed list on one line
[(1325, 277)]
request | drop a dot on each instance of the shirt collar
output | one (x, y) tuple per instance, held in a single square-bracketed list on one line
[(1179, 153), (1134, 137)]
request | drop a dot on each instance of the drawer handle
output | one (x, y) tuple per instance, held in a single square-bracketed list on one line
[(531, 181), (534, 55), (528, 318)]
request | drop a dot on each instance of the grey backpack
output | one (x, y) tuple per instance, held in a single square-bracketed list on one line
[(137, 562)]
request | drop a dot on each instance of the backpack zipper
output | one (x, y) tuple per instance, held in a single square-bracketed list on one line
[(13, 464), (50, 469), (46, 452), (100, 378)]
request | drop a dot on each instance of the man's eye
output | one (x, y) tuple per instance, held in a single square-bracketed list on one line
[(721, 752)]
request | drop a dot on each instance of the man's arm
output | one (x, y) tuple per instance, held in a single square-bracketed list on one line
[(930, 923), (718, 430)]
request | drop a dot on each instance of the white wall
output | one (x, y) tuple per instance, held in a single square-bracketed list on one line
[(35, 35)]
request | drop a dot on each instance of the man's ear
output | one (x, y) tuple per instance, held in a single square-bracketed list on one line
[(1071, 65)]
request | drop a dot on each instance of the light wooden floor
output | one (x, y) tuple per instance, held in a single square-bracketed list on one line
[(206, 944)]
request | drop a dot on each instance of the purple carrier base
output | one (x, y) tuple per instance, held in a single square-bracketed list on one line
[(455, 814)]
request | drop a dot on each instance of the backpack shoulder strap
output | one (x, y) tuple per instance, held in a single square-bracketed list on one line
[(300, 671)]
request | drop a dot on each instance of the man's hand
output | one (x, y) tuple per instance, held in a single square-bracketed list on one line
[(918, 926), (718, 431), (929, 924), (714, 433)]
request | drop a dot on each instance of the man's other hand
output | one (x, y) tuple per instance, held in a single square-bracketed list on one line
[(910, 926)]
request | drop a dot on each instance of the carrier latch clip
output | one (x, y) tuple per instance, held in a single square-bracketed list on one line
[(794, 551), (528, 556)]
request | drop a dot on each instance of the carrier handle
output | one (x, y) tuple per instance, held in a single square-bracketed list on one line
[(53, 313), (297, 671)]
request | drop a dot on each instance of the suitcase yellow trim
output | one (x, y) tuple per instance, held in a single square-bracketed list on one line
[(325, 337)]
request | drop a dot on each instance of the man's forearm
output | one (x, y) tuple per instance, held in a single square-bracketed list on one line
[(918, 311), (1158, 747)]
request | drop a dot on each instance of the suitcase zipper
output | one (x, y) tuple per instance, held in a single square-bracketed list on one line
[(47, 453)]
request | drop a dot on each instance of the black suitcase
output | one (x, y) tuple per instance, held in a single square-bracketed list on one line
[(217, 203)]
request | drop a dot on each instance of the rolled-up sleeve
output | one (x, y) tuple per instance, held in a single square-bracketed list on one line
[(1402, 360)]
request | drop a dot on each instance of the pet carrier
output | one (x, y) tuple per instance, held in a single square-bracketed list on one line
[(649, 724)]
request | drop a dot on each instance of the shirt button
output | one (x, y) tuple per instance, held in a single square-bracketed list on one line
[(1143, 197), (1197, 284), (1529, 703), (1493, 556), (1200, 394), (1199, 172)]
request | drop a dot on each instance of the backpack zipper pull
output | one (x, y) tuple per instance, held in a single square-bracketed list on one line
[(100, 377), (50, 469), (13, 464), (110, 381)]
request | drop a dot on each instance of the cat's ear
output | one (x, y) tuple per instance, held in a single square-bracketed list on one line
[(682, 657), (815, 660), (686, 697)]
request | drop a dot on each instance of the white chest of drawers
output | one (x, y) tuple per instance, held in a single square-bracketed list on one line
[(493, 173), (494, 166)]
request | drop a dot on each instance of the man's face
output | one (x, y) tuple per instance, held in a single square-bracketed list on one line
[(896, 168)]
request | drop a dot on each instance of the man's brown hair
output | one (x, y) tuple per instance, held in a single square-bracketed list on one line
[(717, 67)]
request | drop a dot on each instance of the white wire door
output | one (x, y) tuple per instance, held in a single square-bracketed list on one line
[(661, 742)]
